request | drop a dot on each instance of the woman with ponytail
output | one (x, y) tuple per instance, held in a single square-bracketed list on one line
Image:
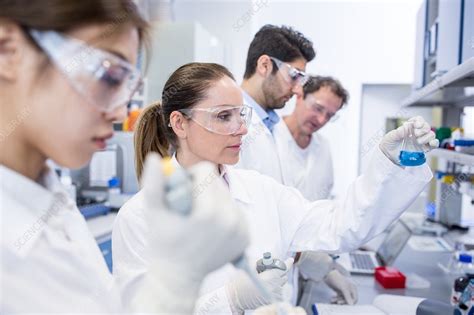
[(202, 118)]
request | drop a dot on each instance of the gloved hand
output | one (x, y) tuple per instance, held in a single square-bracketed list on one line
[(392, 141), (274, 309), (243, 295), (315, 265), (343, 286), (188, 247)]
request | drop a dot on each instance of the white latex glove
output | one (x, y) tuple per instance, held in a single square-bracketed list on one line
[(392, 141), (243, 295), (188, 247), (343, 286), (315, 265), (274, 309)]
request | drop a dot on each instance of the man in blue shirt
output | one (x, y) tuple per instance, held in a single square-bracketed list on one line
[(274, 72)]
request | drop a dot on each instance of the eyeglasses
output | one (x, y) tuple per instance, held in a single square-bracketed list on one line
[(319, 109), (290, 74), (221, 119), (102, 78)]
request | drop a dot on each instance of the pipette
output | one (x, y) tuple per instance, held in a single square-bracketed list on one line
[(178, 197)]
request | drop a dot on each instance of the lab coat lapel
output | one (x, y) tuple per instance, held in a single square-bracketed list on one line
[(238, 190)]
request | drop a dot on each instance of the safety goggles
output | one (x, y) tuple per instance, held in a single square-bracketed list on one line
[(220, 119), (313, 104), (290, 74), (102, 78)]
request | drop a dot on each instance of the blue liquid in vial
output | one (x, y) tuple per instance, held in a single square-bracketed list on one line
[(410, 158)]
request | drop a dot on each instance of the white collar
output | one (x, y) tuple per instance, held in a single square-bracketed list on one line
[(237, 189), (29, 205), (289, 137)]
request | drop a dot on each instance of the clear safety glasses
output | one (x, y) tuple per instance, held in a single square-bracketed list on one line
[(290, 74), (319, 109), (220, 119), (104, 79)]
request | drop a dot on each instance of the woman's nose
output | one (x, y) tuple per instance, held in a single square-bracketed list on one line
[(118, 114), (243, 130)]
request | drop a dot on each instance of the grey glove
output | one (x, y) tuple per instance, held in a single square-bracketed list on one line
[(343, 286), (315, 265), (243, 294)]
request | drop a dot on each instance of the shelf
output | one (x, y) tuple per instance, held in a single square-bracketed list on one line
[(453, 156), (454, 88)]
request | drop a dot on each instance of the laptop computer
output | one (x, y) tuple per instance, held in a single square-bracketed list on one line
[(365, 262)]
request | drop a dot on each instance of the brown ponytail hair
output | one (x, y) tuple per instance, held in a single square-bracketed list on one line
[(186, 87), (148, 127)]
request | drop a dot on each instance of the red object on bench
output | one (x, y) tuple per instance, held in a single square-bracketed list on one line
[(390, 278)]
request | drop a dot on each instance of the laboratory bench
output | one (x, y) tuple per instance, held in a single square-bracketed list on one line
[(422, 263)]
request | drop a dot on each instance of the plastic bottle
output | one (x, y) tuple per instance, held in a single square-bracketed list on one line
[(464, 265), (114, 187), (456, 134), (268, 262), (466, 296), (460, 284), (133, 117)]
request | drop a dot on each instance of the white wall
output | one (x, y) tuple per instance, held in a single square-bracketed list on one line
[(366, 41), (228, 21)]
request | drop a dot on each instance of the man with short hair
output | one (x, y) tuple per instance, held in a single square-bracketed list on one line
[(274, 72), (305, 153)]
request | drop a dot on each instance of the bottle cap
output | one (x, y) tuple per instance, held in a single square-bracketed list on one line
[(114, 182), (167, 166), (267, 258), (465, 258)]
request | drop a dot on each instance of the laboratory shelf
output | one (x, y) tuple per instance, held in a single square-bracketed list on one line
[(453, 156), (454, 88)]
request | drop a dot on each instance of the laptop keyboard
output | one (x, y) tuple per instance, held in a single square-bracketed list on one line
[(362, 261)]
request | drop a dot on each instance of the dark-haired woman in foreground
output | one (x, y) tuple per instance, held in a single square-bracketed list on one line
[(67, 71)]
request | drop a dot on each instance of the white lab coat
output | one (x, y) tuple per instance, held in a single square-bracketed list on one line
[(310, 170), (281, 221), (258, 151), (50, 262), (278, 156)]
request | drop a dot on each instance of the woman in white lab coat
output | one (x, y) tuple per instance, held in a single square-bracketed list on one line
[(67, 71), (202, 118)]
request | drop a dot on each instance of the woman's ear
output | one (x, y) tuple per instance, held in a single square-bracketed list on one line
[(12, 44), (179, 123)]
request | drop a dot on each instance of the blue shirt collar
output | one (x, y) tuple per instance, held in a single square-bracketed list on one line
[(269, 118)]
